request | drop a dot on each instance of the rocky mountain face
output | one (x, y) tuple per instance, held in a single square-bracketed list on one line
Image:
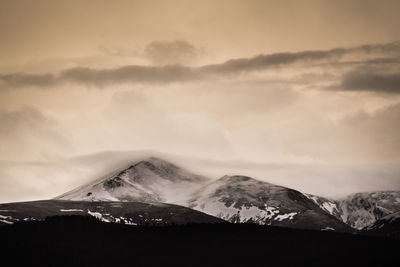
[(361, 210), (243, 199), (237, 199), (328, 205)]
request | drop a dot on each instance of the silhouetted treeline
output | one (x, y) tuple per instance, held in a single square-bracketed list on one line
[(85, 241)]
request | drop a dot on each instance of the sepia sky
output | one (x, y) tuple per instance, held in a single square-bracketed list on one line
[(310, 85)]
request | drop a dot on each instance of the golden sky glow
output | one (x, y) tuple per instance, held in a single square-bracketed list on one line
[(261, 82)]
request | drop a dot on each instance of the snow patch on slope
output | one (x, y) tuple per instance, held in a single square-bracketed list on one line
[(330, 206), (288, 216), (244, 214), (70, 210)]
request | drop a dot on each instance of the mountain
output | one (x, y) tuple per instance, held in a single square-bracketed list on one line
[(388, 225), (236, 198), (243, 199), (150, 180), (133, 213), (363, 209), (328, 205)]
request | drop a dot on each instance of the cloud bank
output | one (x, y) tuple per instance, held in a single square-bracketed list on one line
[(172, 52), (164, 52), (371, 81)]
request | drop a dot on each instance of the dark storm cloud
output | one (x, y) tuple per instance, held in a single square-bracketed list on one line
[(180, 73), (388, 48), (266, 61), (275, 60), (370, 81), (366, 62), (172, 52), (102, 77), (140, 74), (25, 79)]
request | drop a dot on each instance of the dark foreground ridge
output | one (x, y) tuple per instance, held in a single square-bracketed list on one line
[(134, 213), (86, 241)]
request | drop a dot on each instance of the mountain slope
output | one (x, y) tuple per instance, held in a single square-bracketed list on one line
[(150, 180), (388, 225), (360, 210), (236, 198), (134, 213), (328, 205), (244, 199), (363, 209)]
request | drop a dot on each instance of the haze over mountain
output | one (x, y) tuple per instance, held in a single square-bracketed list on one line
[(236, 199), (199, 133), (147, 180), (307, 91), (42, 180)]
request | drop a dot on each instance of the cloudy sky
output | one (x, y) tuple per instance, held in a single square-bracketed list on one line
[(309, 88)]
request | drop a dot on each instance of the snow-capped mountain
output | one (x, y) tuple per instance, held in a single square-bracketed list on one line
[(244, 199), (361, 210), (232, 198), (150, 180), (236, 198)]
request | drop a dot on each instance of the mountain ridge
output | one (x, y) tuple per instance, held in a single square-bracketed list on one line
[(235, 198), (244, 199), (151, 179)]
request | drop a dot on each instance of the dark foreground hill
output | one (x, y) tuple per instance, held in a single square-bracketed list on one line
[(86, 241), (132, 213)]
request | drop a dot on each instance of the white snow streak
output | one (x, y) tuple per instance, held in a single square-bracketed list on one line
[(71, 210), (288, 216), (328, 229)]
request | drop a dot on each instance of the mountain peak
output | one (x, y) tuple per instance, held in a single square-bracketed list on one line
[(150, 179), (240, 179), (236, 178), (155, 163)]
